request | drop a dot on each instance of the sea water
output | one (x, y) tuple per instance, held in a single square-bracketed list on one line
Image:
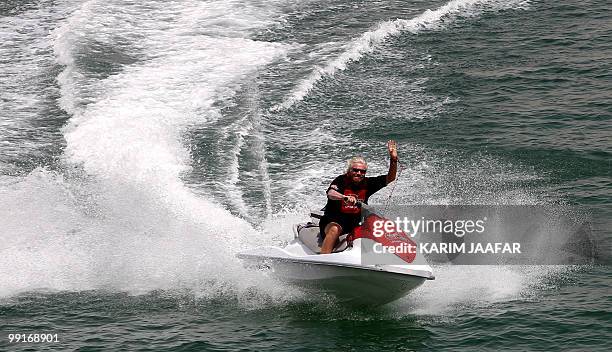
[(144, 143)]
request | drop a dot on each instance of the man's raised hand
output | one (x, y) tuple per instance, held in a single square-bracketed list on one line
[(392, 147)]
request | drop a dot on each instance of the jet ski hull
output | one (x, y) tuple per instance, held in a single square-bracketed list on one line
[(350, 285)]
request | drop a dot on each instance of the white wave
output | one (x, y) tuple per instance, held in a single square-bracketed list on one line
[(259, 146), (246, 141), (71, 234), (240, 129), (128, 222), (133, 133), (461, 287), (27, 60), (429, 20)]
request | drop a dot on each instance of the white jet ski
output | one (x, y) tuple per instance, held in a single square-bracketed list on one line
[(342, 273)]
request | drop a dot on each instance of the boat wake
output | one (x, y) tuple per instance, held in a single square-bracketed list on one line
[(115, 213), (438, 19)]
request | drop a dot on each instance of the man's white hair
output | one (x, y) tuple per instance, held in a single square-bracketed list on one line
[(355, 160)]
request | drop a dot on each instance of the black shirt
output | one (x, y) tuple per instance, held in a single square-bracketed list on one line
[(361, 191)]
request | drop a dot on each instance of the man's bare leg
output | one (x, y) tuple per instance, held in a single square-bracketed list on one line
[(332, 232)]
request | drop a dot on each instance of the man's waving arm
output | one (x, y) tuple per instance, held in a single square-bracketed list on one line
[(392, 147)]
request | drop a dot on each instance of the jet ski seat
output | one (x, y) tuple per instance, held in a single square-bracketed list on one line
[(310, 235)]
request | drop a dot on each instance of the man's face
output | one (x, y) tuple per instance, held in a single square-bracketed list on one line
[(357, 172)]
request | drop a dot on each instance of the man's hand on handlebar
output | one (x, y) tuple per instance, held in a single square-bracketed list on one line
[(351, 200)]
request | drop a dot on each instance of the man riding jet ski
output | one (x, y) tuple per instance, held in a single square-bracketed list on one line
[(348, 269), (342, 214)]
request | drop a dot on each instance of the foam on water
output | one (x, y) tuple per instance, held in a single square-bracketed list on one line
[(124, 220), (65, 233), (245, 138), (464, 288), (438, 19), (26, 82)]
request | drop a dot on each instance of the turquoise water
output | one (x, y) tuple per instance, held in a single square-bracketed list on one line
[(142, 144)]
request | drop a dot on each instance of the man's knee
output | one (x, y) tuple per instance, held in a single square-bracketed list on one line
[(333, 230)]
